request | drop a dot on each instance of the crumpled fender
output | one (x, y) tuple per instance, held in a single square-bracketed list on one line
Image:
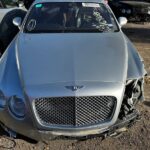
[(136, 68)]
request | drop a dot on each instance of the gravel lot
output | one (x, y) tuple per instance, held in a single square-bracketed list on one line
[(136, 138)]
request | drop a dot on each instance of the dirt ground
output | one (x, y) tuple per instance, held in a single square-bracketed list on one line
[(136, 138)]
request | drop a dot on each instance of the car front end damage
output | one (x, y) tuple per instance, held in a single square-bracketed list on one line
[(80, 112), (75, 117), (78, 85), (80, 109)]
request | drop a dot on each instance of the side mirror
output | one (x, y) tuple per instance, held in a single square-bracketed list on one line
[(122, 21), (17, 22)]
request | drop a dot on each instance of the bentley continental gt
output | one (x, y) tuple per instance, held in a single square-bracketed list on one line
[(70, 72)]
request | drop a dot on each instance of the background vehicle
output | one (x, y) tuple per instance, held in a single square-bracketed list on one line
[(134, 10), (8, 10), (28, 3), (6, 6)]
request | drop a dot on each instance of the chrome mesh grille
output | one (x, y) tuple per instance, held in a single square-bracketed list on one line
[(74, 111)]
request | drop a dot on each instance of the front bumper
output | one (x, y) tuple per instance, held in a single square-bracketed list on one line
[(32, 128), (130, 119), (43, 135)]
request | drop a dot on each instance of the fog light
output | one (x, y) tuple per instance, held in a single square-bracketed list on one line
[(17, 107), (2, 100)]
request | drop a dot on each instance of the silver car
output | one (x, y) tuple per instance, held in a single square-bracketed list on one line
[(70, 72)]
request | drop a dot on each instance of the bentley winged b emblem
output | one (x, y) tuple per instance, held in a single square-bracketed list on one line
[(74, 88)]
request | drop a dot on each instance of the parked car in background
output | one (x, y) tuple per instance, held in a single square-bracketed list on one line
[(70, 72), (28, 3), (134, 10), (8, 10), (6, 6)]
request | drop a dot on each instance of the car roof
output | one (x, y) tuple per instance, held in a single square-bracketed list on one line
[(88, 1)]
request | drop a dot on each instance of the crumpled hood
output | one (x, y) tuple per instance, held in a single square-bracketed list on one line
[(71, 57)]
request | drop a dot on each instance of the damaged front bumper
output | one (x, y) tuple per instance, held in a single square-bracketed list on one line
[(101, 132), (44, 135), (126, 111)]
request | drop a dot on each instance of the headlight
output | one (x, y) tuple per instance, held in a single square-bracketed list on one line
[(2, 100), (128, 11), (17, 107)]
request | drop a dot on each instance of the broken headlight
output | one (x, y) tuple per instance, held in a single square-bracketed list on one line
[(133, 89), (133, 93)]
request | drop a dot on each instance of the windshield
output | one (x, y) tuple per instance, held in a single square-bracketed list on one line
[(70, 17)]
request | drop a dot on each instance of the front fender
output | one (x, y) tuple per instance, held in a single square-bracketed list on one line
[(9, 77), (136, 68)]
